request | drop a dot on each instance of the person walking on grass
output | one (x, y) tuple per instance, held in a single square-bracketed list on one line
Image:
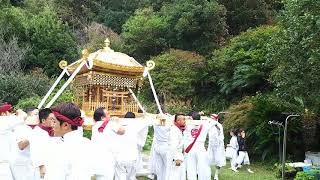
[(243, 157), (232, 149)]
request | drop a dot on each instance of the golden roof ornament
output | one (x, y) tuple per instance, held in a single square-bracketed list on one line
[(85, 54), (63, 64), (150, 65), (107, 45)]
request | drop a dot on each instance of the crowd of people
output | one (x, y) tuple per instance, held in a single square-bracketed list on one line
[(49, 144)]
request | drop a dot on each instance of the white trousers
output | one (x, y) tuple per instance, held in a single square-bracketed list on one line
[(243, 157), (125, 170), (5, 171), (23, 171), (160, 161), (102, 177), (197, 163), (139, 164), (234, 156), (216, 155), (176, 172)]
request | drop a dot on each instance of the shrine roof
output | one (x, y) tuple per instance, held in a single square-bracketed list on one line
[(109, 61)]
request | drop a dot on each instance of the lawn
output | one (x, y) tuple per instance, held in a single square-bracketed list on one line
[(261, 172)]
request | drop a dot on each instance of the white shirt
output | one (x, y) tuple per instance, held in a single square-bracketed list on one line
[(176, 143), (126, 145), (70, 158), (234, 143), (192, 130), (161, 133), (216, 136), (22, 132), (7, 125), (39, 143), (102, 142)]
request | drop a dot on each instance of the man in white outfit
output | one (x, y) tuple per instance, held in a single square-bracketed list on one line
[(22, 167), (176, 162), (142, 136), (69, 158), (159, 155), (7, 123), (196, 154), (126, 152), (216, 146), (39, 139), (103, 133)]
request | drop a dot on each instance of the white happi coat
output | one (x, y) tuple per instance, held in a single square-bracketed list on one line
[(21, 165), (216, 150), (197, 159), (69, 158), (176, 153), (103, 158), (39, 142), (126, 151), (7, 146), (159, 156)]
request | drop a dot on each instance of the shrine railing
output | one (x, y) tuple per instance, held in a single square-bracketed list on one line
[(118, 109)]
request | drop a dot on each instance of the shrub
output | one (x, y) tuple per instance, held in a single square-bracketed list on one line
[(28, 102), (270, 107), (16, 86), (240, 68), (304, 176), (175, 73), (237, 115), (254, 113), (289, 173)]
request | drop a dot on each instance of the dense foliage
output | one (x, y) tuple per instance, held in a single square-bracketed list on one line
[(14, 87), (144, 33), (241, 68), (295, 53)]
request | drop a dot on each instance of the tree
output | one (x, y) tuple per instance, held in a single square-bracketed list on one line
[(144, 34), (176, 73), (240, 68), (16, 86), (196, 25), (50, 40), (295, 53), (245, 14), (253, 114), (77, 13), (115, 13), (12, 23), (11, 55), (97, 34)]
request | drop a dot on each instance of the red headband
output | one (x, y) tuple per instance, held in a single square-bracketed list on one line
[(5, 107), (78, 121)]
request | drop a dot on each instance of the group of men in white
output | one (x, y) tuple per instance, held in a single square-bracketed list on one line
[(49, 144)]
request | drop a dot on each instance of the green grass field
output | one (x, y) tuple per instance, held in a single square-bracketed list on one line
[(261, 172)]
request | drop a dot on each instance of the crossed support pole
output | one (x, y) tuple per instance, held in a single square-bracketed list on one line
[(83, 61), (63, 64)]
